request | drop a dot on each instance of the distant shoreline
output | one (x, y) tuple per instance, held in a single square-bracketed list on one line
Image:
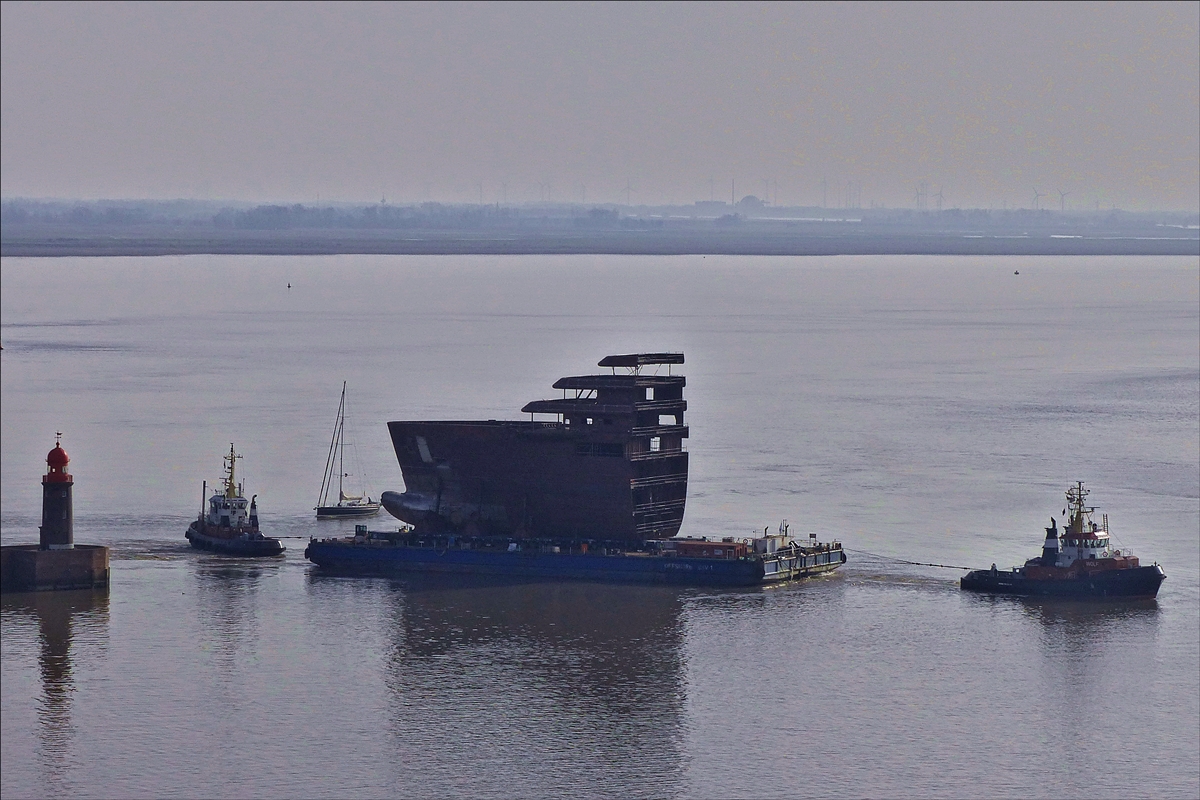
[(51, 244)]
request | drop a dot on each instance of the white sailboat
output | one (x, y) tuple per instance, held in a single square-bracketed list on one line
[(346, 505)]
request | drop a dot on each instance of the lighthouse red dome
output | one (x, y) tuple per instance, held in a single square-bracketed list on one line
[(57, 457), (56, 463)]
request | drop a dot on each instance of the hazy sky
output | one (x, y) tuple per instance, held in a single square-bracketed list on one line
[(292, 102)]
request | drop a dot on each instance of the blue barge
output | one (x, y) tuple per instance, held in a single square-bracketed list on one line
[(674, 561)]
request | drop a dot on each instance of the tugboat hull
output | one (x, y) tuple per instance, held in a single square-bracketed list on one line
[(1138, 582), (262, 546)]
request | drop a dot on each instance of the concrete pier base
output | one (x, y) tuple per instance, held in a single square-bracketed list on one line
[(29, 568)]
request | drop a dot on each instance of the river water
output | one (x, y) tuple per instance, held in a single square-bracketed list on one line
[(925, 409)]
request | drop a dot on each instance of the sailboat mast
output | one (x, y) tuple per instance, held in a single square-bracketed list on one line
[(341, 441), (327, 478)]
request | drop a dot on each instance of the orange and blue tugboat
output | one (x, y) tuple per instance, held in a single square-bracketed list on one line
[(230, 525), (1081, 563)]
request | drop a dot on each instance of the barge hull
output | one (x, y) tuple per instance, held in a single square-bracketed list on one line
[(387, 559), (379, 557), (804, 565)]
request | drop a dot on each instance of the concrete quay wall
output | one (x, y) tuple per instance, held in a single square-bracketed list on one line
[(28, 568)]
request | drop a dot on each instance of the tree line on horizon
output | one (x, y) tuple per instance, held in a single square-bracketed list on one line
[(267, 216)]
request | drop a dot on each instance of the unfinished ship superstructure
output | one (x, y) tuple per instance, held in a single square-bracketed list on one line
[(610, 465)]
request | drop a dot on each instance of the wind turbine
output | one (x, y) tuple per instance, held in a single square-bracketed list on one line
[(922, 195), (1036, 196), (1062, 200), (939, 198)]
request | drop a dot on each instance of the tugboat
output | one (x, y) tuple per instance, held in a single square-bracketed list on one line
[(229, 526), (1085, 566)]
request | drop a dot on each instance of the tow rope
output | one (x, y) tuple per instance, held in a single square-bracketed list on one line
[(903, 561)]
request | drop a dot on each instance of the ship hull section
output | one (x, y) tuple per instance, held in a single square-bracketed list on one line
[(533, 480)]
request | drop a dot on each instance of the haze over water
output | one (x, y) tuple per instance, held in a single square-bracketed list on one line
[(927, 409)]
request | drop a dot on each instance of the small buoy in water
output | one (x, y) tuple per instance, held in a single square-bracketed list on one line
[(1015, 272), (289, 286)]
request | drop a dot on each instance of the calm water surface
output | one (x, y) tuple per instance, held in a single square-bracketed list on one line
[(929, 409)]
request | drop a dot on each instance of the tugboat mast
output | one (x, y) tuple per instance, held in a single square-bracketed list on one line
[(1075, 498), (230, 485)]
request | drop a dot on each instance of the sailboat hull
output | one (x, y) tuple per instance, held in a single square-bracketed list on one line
[(342, 512)]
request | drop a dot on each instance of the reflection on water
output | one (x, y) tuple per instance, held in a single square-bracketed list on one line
[(226, 603), (1088, 622), (62, 617), (569, 680), (1088, 652), (1079, 637)]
